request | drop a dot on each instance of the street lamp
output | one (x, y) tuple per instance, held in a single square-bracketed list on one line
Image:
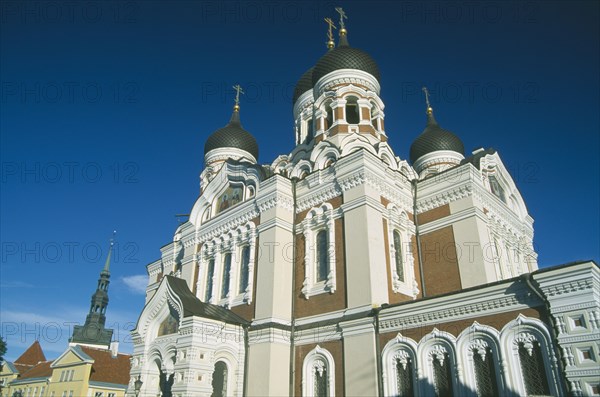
[(137, 386)]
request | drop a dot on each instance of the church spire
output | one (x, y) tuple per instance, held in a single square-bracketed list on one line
[(93, 331)]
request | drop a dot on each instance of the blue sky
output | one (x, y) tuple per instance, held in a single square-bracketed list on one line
[(105, 107)]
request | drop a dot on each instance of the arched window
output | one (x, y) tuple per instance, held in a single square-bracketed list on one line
[(322, 256), (399, 367), (373, 118), (309, 130), (210, 273), (244, 269), (398, 256), (532, 368), (226, 271), (318, 374), (219, 380), (329, 118), (496, 188), (319, 251), (352, 110)]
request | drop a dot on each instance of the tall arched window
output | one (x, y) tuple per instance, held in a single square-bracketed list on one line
[(226, 270), (352, 110), (322, 256), (219, 380), (244, 269), (210, 273), (398, 256)]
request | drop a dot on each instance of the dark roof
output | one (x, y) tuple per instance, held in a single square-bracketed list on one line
[(107, 368), (344, 57), (303, 85), (434, 138), (232, 135), (193, 306), (33, 355), (475, 159)]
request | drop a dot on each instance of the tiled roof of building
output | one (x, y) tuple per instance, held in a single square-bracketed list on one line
[(33, 355), (41, 370), (107, 368)]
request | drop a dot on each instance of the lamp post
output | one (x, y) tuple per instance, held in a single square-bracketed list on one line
[(137, 386)]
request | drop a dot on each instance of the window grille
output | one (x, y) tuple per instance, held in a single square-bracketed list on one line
[(404, 378), (532, 368), (322, 256), (485, 374), (226, 270), (442, 377)]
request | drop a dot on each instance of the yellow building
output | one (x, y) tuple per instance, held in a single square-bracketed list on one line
[(81, 371)]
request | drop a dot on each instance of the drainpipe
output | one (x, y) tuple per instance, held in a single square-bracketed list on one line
[(536, 290), (293, 323), (414, 182), (246, 360), (376, 311)]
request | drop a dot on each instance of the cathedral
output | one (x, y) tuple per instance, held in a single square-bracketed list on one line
[(343, 269)]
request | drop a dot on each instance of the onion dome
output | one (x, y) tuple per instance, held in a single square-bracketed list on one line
[(303, 85), (434, 138), (232, 136), (344, 57)]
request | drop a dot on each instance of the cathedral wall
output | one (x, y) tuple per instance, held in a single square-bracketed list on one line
[(440, 262), (496, 321), (433, 214), (336, 348)]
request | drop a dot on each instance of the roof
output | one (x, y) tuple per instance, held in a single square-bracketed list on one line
[(107, 368), (434, 138), (303, 85), (344, 57), (41, 370), (193, 306), (475, 159), (33, 355), (232, 135)]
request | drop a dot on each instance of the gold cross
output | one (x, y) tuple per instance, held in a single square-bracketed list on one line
[(426, 97), (237, 94), (342, 17), (331, 27)]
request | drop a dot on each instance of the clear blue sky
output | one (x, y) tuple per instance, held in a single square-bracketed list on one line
[(105, 107)]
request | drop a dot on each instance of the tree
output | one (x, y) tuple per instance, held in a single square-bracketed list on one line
[(2, 352)]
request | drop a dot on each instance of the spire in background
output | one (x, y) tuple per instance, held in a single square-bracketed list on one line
[(93, 331), (107, 263)]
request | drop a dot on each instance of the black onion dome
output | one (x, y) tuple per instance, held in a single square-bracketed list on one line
[(344, 57), (303, 85), (434, 138), (234, 136)]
